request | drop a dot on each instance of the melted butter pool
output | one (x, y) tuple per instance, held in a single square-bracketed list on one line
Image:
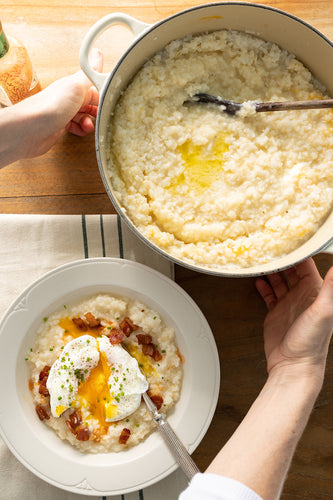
[(202, 165)]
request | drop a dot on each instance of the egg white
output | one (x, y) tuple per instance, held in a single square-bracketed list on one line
[(72, 368), (126, 381), (75, 362)]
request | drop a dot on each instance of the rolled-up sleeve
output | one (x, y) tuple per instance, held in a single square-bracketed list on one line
[(214, 487)]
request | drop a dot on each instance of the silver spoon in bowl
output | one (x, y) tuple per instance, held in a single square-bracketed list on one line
[(173, 442), (231, 107), (175, 445)]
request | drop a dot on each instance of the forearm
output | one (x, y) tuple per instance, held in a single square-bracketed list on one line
[(260, 451)]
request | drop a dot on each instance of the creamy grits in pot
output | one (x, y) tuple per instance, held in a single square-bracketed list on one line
[(91, 362), (211, 189)]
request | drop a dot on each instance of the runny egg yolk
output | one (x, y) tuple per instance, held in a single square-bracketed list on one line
[(94, 393), (143, 361), (70, 329)]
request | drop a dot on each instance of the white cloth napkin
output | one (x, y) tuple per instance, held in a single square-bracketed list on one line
[(31, 245)]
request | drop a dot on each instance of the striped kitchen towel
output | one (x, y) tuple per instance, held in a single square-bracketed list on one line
[(31, 245)]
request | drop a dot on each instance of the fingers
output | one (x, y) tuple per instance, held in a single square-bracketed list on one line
[(291, 276), (266, 293), (92, 97), (325, 297), (81, 126), (307, 268), (279, 284)]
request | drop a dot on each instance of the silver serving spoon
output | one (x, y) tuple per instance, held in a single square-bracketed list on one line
[(173, 442), (178, 450), (232, 107)]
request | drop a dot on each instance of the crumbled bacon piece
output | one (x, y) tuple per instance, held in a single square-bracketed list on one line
[(156, 399), (91, 320), (144, 339), (74, 424), (83, 434), (42, 413), (75, 419), (157, 356), (148, 349), (128, 326), (43, 376), (80, 324), (73, 431), (125, 434), (44, 372), (115, 336), (43, 390), (152, 351)]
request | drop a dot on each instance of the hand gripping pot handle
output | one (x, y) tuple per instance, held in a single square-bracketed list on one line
[(137, 27)]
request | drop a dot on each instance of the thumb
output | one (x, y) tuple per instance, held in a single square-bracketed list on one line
[(322, 307), (96, 60), (325, 297)]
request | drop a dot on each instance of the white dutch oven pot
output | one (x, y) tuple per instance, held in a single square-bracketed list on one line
[(273, 25)]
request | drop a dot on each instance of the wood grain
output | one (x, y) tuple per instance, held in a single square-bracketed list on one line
[(66, 180)]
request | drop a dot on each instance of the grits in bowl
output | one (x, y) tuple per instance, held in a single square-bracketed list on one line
[(85, 372), (215, 190)]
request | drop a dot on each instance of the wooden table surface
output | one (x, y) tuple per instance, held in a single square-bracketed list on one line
[(66, 181)]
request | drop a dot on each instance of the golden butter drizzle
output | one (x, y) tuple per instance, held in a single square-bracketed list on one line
[(202, 166)]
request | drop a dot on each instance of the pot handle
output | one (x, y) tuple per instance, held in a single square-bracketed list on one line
[(329, 248), (105, 22)]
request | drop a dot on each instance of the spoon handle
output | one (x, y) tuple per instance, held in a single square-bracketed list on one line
[(174, 444), (293, 105), (231, 107)]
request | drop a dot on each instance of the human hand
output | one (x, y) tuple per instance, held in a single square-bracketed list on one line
[(70, 103), (31, 127), (299, 323)]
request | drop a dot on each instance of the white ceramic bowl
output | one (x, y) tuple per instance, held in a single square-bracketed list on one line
[(289, 32), (37, 446)]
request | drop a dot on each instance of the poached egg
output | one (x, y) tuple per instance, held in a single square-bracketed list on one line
[(96, 376)]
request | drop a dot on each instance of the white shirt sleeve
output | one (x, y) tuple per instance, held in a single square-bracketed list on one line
[(214, 487)]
